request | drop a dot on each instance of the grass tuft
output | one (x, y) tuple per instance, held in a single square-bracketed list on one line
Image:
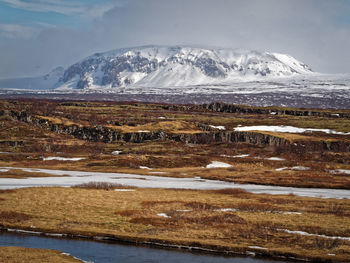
[(99, 185), (14, 217), (231, 191)]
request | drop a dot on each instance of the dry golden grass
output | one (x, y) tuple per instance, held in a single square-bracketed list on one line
[(56, 120), (133, 215), (18, 173), (167, 126), (292, 137), (20, 255), (194, 218)]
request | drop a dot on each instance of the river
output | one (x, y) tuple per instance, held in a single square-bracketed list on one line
[(103, 252)]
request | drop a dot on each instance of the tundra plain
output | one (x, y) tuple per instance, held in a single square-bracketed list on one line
[(182, 141)]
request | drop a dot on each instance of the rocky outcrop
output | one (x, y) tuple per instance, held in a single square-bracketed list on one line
[(12, 143), (108, 135), (232, 108)]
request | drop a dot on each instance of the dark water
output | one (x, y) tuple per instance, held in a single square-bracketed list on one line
[(100, 252)]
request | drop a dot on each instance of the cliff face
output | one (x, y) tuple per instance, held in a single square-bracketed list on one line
[(231, 108), (108, 135)]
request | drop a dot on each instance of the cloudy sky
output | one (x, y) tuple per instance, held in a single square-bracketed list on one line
[(39, 35)]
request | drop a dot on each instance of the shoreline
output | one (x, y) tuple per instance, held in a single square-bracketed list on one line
[(166, 244)]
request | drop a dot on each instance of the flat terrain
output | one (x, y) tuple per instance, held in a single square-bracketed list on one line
[(183, 141), (299, 160), (19, 255), (221, 220)]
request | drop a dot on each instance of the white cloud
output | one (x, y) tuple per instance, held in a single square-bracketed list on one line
[(308, 30), (12, 31), (62, 7)]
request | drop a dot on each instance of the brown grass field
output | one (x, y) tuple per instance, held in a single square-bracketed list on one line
[(194, 217), (20, 255), (23, 144)]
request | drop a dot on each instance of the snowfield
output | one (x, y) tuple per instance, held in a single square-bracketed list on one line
[(79, 177), (287, 129)]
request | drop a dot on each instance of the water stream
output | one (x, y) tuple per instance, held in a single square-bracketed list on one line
[(103, 252)]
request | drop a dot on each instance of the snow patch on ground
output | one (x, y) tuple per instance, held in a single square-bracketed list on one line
[(257, 247), (216, 164), (67, 254), (295, 168), (227, 210), (163, 215), (124, 190), (218, 127), (275, 159), (116, 152), (287, 129), (134, 180), (281, 169), (341, 171), (302, 233), (241, 156), (145, 167), (276, 212), (292, 213), (300, 168), (63, 158), (247, 155)]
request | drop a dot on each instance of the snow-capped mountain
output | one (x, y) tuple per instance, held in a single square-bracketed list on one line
[(179, 74), (171, 66)]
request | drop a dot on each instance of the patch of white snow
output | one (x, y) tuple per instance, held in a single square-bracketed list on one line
[(303, 233), (163, 215), (145, 167), (287, 129), (257, 247), (63, 158), (227, 210), (340, 171), (218, 127), (216, 164), (241, 156), (275, 159)]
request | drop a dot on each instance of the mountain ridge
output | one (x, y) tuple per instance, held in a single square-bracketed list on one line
[(175, 66)]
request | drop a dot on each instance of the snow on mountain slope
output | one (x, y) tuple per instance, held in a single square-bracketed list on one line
[(47, 81), (165, 66), (292, 63)]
